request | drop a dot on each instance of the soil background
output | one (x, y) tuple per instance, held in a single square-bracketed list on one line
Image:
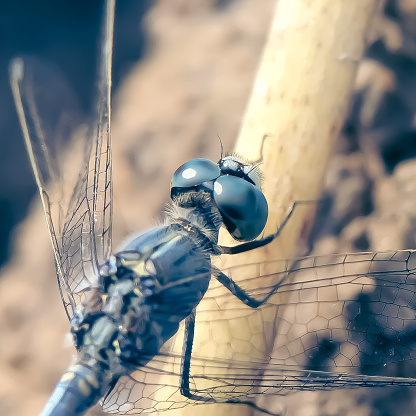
[(192, 83)]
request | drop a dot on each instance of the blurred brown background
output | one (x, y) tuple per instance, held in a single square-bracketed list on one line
[(192, 83)]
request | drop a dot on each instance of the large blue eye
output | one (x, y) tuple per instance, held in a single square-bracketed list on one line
[(194, 173), (242, 206)]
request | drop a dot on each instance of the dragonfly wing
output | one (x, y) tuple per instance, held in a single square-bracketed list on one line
[(347, 313), (101, 190), (46, 130), (87, 231), (153, 388), (156, 388), (79, 220), (338, 321)]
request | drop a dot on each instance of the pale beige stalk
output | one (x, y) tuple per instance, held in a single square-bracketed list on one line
[(298, 105)]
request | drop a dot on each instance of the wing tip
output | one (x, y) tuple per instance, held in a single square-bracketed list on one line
[(16, 69)]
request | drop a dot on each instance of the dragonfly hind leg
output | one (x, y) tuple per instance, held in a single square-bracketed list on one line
[(186, 367)]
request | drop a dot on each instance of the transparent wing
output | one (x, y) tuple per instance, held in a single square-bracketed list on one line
[(76, 199), (86, 234), (338, 321)]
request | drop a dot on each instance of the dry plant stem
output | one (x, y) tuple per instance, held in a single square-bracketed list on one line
[(297, 108), (300, 100)]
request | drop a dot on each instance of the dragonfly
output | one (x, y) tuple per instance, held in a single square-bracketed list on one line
[(249, 333)]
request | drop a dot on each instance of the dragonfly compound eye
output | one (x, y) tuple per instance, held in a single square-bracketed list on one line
[(193, 173), (242, 206)]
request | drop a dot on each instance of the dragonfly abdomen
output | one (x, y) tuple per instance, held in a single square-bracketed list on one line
[(79, 389)]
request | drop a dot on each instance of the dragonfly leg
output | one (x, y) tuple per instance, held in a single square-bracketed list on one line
[(240, 293), (251, 245), (186, 368), (186, 361), (186, 355)]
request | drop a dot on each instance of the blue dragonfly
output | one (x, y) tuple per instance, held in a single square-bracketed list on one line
[(263, 330)]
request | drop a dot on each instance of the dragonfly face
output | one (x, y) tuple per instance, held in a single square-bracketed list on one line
[(235, 188)]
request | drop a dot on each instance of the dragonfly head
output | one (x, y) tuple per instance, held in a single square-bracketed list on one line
[(236, 190)]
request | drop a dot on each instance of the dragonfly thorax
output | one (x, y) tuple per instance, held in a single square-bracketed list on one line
[(233, 186)]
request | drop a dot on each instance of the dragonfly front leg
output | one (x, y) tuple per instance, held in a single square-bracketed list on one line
[(251, 245)]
